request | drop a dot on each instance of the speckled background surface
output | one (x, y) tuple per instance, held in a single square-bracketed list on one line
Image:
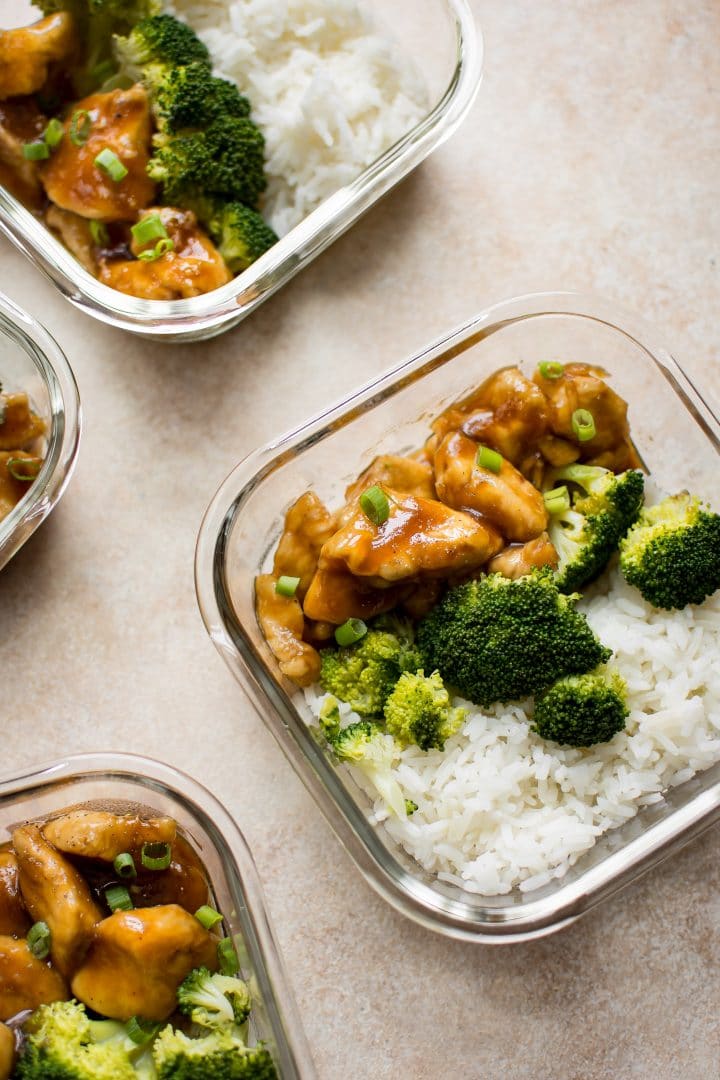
[(589, 161)]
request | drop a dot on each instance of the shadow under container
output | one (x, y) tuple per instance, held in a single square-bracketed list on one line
[(129, 781), (678, 438), (442, 39), (33, 362)]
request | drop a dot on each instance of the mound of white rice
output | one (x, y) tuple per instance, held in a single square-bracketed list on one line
[(500, 807), (329, 92)]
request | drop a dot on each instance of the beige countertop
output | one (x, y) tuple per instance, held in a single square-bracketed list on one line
[(590, 161)]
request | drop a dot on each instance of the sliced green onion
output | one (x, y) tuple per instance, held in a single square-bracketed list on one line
[(551, 369), (557, 501), (125, 865), (110, 163), (118, 898), (207, 916), (488, 459), (38, 940), (21, 468), (141, 1031), (583, 424), (150, 228), (161, 248), (227, 957), (286, 585), (350, 632), (80, 126), (36, 151), (374, 504), (156, 856), (99, 233), (54, 132)]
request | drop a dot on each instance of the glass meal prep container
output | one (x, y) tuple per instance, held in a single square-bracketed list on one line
[(442, 39), (125, 781), (678, 438), (32, 362)]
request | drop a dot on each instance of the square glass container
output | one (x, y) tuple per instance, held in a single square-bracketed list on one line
[(679, 439), (440, 36), (216, 839), (32, 361)]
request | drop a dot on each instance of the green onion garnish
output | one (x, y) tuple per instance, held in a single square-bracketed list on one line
[(488, 459), (207, 916), (286, 585), (350, 632), (99, 233), (557, 501), (21, 468), (156, 856), (141, 1031), (38, 940), (161, 248), (583, 425), (227, 957), (125, 865), (110, 163), (150, 228), (54, 133), (118, 898), (374, 504), (36, 151), (551, 369), (80, 125)]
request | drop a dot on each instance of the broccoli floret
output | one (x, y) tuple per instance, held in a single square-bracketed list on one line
[(581, 710), (220, 1055), (672, 554), (225, 159), (214, 1000), (157, 44), (419, 711), (601, 512), (241, 235), (370, 749), (365, 673), (498, 639), (191, 97), (95, 23), (62, 1043)]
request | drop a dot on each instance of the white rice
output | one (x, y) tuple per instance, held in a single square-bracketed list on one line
[(501, 808), (329, 92)]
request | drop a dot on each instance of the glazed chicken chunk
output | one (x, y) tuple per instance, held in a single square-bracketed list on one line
[(308, 524), (138, 959), (12, 489), (25, 981), (7, 1052), (118, 121), (193, 265), (420, 538), (97, 834), (27, 52), (411, 476), (283, 625), (20, 122), (14, 919), (74, 231), (19, 425), (505, 499), (519, 559), (55, 893), (335, 596)]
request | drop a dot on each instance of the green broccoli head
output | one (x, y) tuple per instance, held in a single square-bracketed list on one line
[(672, 554), (191, 97), (157, 44), (220, 1055), (373, 752), (62, 1043), (603, 508), (365, 673), (498, 639), (419, 711), (581, 710), (226, 159), (214, 1000), (241, 235)]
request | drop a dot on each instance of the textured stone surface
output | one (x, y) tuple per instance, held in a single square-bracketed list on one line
[(590, 162)]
